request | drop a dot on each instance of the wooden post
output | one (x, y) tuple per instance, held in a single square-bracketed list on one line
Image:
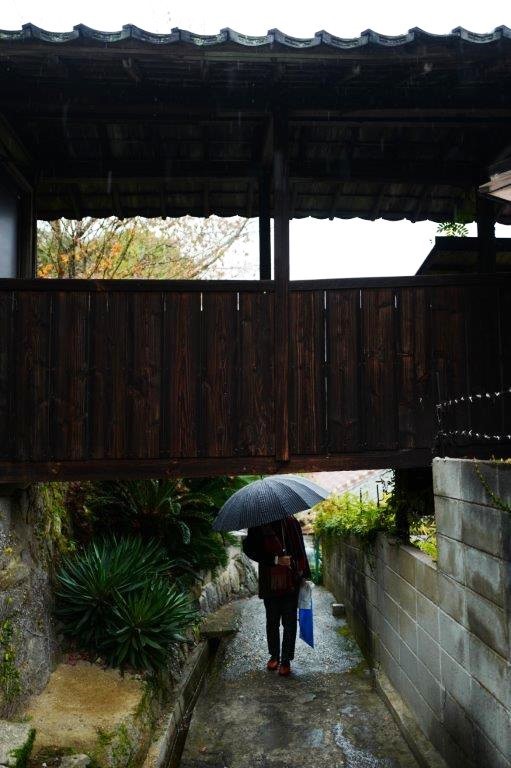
[(281, 266), (27, 235), (486, 235), (264, 228)]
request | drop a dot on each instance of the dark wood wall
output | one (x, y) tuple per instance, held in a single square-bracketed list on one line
[(134, 378)]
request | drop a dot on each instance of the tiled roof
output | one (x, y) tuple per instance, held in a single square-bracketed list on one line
[(274, 37)]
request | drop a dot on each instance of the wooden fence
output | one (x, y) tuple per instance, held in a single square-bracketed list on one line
[(127, 378)]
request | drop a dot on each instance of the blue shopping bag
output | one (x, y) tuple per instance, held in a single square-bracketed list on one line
[(305, 618)]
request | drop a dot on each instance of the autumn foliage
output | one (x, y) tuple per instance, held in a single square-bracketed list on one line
[(183, 248)]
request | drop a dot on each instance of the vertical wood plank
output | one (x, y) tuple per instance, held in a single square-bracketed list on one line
[(405, 353), (307, 428), (416, 413), (343, 371), (70, 374), (220, 374), (449, 351), (7, 374), (181, 375), (378, 369), (144, 388), (426, 419), (100, 376), (32, 380), (118, 332), (257, 375)]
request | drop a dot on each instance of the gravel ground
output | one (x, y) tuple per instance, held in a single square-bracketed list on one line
[(325, 715)]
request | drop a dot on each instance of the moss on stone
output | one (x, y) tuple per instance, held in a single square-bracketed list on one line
[(10, 678), (21, 754), (53, 524)]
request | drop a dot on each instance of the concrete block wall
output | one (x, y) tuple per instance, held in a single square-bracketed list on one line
[(442, 632)]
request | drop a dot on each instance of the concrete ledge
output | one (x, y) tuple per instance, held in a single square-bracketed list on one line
[(421, 748), (165, 750), (221, 623)]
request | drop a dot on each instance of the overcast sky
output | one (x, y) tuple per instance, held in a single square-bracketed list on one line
[(318, 248)]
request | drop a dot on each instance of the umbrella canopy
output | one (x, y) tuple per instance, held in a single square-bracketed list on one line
[(264, 501)]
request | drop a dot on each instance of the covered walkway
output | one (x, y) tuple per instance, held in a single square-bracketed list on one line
[(327, 714)]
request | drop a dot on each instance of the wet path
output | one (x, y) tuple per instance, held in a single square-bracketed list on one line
[(326, 714)]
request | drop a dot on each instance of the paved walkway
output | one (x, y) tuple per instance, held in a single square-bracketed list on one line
[(325, 716)]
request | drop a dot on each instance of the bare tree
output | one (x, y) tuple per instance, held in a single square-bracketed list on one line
[(185, 248)]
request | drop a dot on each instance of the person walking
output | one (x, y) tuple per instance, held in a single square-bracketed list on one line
[(279, 549)]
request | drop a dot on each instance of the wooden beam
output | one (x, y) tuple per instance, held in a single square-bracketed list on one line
[(130, 286), (383, 171), (281, 267), (257, 286), (264, 228), (18, 471), (485, 212), (384, 117)]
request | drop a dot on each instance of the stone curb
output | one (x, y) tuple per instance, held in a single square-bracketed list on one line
[(421, 748), (165, 750)]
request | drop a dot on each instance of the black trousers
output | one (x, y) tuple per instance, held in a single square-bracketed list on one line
[(281, 609)]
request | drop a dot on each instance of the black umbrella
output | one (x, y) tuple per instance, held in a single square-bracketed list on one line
[(263, 501)]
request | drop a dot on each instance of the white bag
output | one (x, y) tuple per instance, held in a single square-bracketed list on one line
[(305, 596)]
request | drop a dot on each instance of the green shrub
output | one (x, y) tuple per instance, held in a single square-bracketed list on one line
[(423, 535), (316, 566), (349, 514), (112, 581), (145, 622), (163, 509), (171, 511)]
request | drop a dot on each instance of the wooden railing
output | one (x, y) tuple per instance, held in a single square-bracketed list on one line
[(131, 378)]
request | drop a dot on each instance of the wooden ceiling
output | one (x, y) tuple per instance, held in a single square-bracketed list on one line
[(131, 123)]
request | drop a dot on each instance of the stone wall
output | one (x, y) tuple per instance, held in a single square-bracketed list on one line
[(237, 579), (27, 642), (441, 632)]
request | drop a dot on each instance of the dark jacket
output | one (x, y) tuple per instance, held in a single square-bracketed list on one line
[(264, 543)]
